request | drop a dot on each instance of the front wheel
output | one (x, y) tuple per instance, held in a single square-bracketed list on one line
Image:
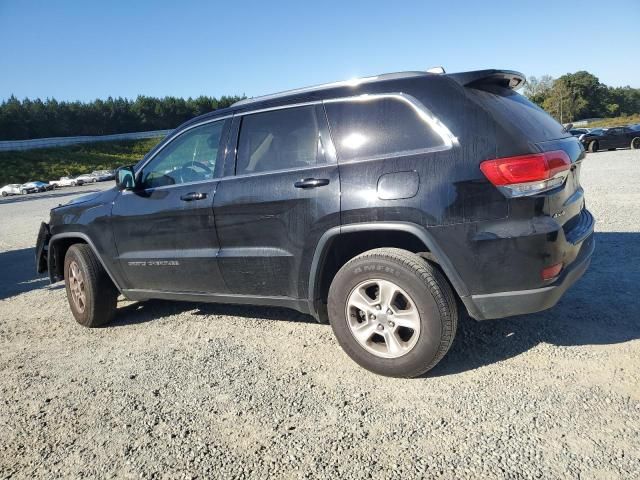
[(23, 192), (635, 143), (4, 194), (91, 294), (593, 146), (392, 312)]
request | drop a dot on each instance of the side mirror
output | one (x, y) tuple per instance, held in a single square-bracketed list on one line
[(125, 178)]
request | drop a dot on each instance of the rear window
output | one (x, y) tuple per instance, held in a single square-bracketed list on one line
[(379, 127), (514, 111)]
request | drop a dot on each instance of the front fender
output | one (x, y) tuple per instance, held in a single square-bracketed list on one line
[(55, 257)]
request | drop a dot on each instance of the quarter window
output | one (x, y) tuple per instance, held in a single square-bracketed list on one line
[(190, 157), (278, 139), (378, 127)]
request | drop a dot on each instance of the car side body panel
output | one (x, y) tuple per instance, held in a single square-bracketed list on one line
[(267, 238)]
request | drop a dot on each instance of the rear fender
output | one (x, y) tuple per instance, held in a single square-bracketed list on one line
[(436, 254)]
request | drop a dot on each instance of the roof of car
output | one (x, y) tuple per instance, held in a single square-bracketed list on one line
[(344, 88), (326, 86)]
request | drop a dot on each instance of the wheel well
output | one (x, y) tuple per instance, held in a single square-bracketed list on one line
[(58, 251), (346, 246)]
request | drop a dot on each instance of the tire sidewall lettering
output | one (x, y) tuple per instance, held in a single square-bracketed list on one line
[(374, 268)]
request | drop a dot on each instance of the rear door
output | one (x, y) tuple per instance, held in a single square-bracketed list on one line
[(165, 231), (611, 138), (282, 195)]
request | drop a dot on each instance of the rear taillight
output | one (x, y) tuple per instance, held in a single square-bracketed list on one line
[(528, 174), (549, 273)]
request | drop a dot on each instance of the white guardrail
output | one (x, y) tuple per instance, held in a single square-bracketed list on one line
[(8, 145)]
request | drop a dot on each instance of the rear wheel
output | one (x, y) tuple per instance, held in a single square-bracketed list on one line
[(593, 146), (4, 194), (392, 312), (635, 143), (91, 294), (23, 192)]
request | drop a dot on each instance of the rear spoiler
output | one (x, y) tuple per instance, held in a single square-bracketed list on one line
[(505, 78)]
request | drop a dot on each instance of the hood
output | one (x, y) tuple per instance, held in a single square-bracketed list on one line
[(94, 197), (84, 198)]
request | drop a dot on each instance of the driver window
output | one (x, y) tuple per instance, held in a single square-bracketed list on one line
[(191, 157)]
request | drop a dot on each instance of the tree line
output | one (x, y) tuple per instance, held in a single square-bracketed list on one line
[(26, 119), (580, 95), (571, 97)]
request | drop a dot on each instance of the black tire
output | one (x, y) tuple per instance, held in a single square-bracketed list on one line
[(635, 143), (100, 294), (4, 194), (23, 192), (593, 146), (426, 287)]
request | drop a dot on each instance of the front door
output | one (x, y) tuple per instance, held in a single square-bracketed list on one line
[(283, 195), (165, 229)]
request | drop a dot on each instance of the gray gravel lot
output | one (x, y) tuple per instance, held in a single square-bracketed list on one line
[(189, 390)]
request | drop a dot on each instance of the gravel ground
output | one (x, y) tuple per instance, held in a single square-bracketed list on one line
[(188, 390)]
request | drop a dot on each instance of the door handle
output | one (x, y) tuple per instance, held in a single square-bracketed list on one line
[(191, 196), (311, 183)]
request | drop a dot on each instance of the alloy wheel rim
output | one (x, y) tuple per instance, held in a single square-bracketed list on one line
[(76, 286), (383, 318)]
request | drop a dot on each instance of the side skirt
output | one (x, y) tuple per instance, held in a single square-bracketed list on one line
[(140, 295)]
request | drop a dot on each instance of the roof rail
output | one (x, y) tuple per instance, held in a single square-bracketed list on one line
[(354, 82)]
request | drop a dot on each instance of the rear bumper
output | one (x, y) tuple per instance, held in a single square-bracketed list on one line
[(518, 302)]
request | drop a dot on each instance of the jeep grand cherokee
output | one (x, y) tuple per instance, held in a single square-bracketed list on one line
[(382, 205)]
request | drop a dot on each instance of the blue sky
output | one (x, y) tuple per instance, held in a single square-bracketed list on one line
[(92, 49)]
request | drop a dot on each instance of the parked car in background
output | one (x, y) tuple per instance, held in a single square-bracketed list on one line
[(40, 186), (11, 189), (28, 188), (103, 175), (635, 127), (87, 178), (66, 182), (611, 138), (577, 132)]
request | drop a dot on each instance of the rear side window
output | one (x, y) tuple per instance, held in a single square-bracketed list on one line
[(277, 140), (379, 127)]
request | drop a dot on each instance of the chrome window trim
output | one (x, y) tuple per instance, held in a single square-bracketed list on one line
[(279, 107), (232, 177), (166, 187), (439, 128), (449, 140)]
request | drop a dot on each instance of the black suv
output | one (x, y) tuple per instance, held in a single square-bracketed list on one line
[(611, 138), (382, 205)]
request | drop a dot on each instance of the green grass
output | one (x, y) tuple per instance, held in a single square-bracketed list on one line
[(52, 163), (616, 122)]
